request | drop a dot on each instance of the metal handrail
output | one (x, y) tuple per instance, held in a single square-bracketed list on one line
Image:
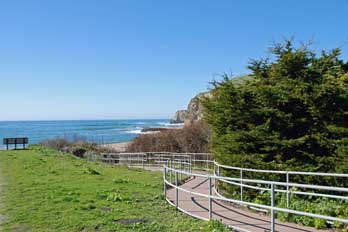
[(282, 172), (272, 208), (233, 167), (319, 187), (189, 160), (285, 191)]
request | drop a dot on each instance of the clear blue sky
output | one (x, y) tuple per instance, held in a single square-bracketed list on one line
[(141, 58)]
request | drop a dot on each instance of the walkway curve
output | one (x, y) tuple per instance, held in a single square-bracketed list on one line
[(234, 216), (195, 195)]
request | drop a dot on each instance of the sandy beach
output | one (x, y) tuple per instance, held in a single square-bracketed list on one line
[(118, 147)]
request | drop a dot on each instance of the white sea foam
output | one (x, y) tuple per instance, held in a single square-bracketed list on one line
[(139, 132), (171, 125), (134, 132)]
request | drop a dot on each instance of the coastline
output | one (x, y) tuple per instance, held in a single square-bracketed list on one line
[(117, 147), (99, 131), (122, 146)]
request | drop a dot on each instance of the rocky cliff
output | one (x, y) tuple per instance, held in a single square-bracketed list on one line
[(194, 111), (195, 108)]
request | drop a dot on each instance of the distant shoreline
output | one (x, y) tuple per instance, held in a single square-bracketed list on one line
[(122, 146), (99, 131), (117, 147)]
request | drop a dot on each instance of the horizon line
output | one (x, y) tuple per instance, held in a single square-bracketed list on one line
[(110, 119)]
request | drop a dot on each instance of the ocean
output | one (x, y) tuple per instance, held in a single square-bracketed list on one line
[(99, 131)]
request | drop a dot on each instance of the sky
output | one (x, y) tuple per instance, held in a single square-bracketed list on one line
[(129, 59)]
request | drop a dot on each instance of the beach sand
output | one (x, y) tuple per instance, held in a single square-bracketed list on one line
[(117, 147)]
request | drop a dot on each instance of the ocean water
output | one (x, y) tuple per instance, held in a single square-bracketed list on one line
[(99, 131)]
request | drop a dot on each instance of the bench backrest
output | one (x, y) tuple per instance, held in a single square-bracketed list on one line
[(8, 141)]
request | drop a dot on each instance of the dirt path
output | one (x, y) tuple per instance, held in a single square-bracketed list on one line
[(225, 212)]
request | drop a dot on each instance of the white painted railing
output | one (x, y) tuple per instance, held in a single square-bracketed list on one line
[(181, 165), (272, 207), (287, 174)]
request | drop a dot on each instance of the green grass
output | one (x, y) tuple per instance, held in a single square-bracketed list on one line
[(50, 191)]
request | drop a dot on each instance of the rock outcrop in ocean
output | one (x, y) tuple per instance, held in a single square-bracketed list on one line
[(179, 117)]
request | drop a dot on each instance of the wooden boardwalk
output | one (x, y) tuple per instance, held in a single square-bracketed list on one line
[(227, 213)]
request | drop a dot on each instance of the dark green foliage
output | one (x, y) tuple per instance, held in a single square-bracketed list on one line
[(334, 208), (292, 114), (79, 151)]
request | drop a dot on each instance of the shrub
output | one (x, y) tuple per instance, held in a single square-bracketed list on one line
[(79, 151), (77, 145), (58, 143), (193, 138)]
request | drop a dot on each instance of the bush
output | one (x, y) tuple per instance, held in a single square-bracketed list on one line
[(79, 151), (75, 144), (193, 138), (59, 144)]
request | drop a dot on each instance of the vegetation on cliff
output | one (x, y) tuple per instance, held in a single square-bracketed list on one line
[(192, 138)]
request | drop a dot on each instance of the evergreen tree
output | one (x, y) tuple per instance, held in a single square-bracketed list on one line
[(293, 114)]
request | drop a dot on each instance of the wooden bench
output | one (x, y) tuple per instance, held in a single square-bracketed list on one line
[(15, 141)]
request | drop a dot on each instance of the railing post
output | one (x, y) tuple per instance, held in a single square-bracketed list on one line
[(190, 164), (272, 209), (164, 181), (194, 159), (210, 200), (185, 164), (217, 182), (176, 190), (214, 169), (142, 161), (287, 190), (170, 173), (181, 169), (241, 184)]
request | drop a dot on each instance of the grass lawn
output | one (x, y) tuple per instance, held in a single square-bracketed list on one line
[(50, 191)]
